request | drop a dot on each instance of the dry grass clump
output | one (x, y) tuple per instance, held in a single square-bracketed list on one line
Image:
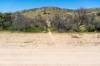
[(98, 35), (75, 36)]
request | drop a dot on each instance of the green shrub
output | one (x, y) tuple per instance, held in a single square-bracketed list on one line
[(34, 29), (91, 28), (83, 28)]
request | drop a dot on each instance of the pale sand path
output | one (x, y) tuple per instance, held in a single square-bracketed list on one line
[(26, 50)]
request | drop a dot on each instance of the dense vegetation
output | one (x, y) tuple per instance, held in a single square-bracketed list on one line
[(52, 18)]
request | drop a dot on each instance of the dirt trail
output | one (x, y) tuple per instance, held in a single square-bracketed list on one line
[(14, 55), (30, 49), (51, 37)]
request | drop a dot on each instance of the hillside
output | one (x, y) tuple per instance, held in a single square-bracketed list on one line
[(54, 11), (53, 19), (46, 10)]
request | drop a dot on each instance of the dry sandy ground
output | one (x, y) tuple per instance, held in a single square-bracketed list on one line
[(47, 49)]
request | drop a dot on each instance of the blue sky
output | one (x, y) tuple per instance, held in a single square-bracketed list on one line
[(15, 5)]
